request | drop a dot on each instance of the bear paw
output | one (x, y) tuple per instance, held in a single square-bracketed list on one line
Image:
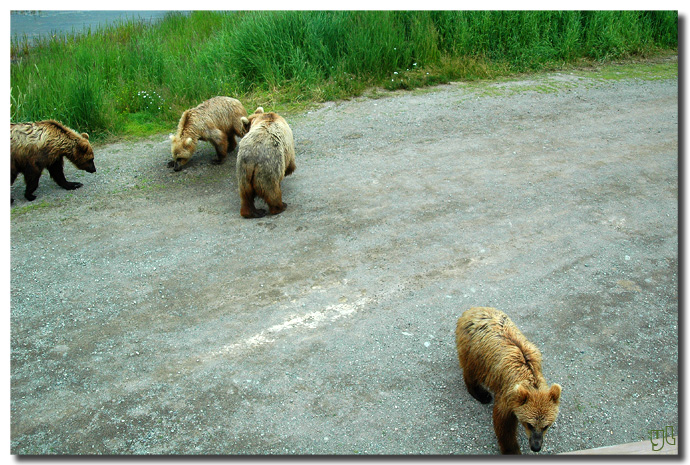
[(70, 186)]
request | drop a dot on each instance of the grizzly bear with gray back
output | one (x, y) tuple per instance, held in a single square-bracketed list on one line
[(494, 354), (266, 155), (217, 120), (45, 144)]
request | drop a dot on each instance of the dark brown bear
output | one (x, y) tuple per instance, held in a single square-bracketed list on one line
[(44, 144)]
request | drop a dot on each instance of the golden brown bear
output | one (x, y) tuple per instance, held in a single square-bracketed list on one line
[(45, 144), (217, 120), (494, 354), (265, 156)]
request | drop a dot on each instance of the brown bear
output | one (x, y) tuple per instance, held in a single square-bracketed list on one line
[(216, 120), (44, 144), (494, 354), (266, 155)]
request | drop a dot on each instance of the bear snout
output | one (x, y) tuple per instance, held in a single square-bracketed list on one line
[(535, 443), (91, 168)]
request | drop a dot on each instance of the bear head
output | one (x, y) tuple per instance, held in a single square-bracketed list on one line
[(182, 150), (536, 410), (247, 120), (83, 154)]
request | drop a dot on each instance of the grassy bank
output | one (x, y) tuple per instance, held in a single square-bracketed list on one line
[(137, 79)]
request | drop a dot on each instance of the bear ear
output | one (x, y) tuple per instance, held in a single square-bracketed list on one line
[(521, 394), (85, 135), (259, 110), (188, 142), (82, 147), (555, 393), (246, 124), (172, 137)]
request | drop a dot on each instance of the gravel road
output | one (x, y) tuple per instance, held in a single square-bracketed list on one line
[(149, 317)]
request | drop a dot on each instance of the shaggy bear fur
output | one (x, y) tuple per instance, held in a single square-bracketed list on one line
[(217, 120), (45, 144), (494, 354), (265, 156)]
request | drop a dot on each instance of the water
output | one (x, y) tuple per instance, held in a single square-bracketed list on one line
[(35, 24)]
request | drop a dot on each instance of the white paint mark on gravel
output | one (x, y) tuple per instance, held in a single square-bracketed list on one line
[(310, 320)]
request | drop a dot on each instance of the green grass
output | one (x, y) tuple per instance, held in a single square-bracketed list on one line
[(31, 207), (550, 83), (648, 72), (132, 79)]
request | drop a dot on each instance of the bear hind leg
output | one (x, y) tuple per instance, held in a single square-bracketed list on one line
[(232, 143), (247, 208), (31, 181), (290, 168), (13, 174), (274, 199), (475, 389), (220, 143)]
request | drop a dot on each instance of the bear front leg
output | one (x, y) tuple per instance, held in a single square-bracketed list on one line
[(505, 426), (58, 175)]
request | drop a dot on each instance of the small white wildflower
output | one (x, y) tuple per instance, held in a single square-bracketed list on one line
[(395, 72), (414, 64)]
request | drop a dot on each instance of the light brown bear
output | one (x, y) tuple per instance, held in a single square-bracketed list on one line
[(217, 120), (45, 144), (266, 155), (494, 354)]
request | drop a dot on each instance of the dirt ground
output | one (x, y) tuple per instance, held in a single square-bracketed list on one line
[(148, 317)]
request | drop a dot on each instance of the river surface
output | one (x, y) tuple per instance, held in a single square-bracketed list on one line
[(35, 24)]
